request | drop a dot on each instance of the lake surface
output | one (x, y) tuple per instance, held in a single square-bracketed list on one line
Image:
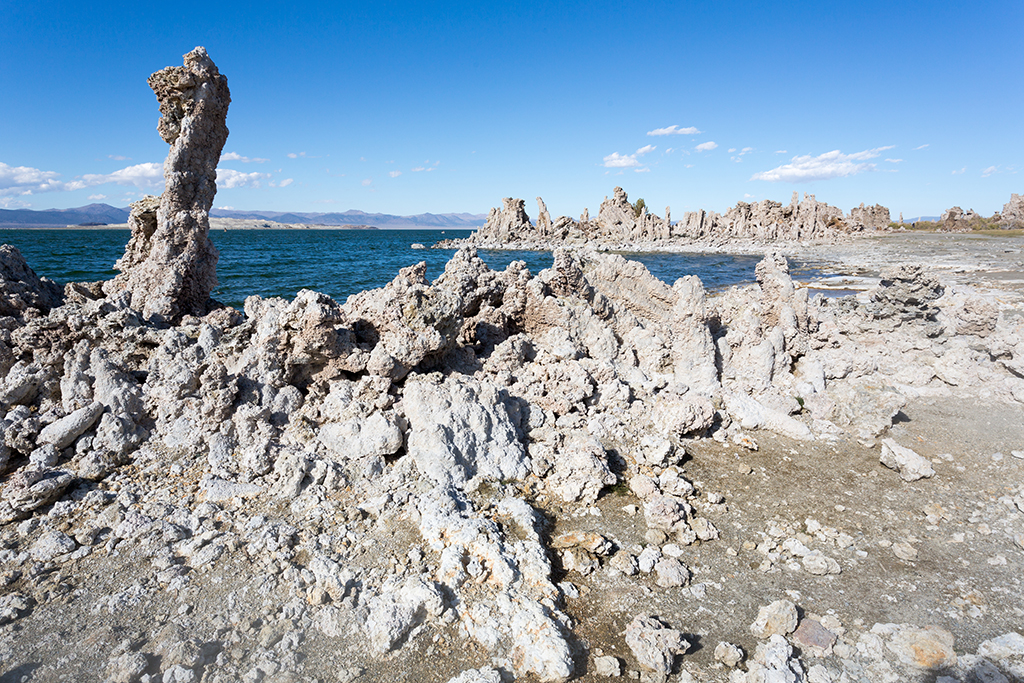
[(336, 262)]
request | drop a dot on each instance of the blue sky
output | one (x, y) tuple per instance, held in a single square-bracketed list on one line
[(441, 107)]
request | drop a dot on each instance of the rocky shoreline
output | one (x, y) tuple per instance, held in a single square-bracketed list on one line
[(745, 228), (577, 474)]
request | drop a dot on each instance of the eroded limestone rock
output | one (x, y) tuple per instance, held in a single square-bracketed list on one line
[(170, 264), (21, 289)]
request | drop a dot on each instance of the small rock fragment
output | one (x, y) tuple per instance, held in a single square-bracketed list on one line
[(909, 464), (51, 545), (904, 551), (483, 675), (127, 668), (728, 654), (930, 647), (589, 541), (814, 639), (819, 564), (13, 606), (64, 431), (607, 666), (654, 645), (671, 573), (780, 618)]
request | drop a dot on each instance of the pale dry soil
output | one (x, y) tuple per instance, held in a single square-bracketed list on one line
[(966, 577)]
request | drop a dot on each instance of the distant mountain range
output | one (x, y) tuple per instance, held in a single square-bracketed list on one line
[(104, 213), (93, 213), (467, 221)]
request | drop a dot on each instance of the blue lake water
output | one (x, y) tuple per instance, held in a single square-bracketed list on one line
[(336, 262)]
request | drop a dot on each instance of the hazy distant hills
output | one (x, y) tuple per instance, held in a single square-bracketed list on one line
[(93, 213), (104, 213), (466, 221)]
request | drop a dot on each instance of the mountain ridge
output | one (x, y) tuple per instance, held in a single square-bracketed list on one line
[(105, 213)]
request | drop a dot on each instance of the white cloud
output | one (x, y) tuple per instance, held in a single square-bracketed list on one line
[(394, 174), (226, 208), (228, 179), (286, 182), (8, 203), (739, 157), (706, 146), (960, 171), (747, 195), (367, 182), (921, 146), (731, 150), (149, 175), (296, 155), (418, 169), (616, 160), (989, 171), (674, 130), (895, 161), (781, 151), (97, 197), (22, 180), (235, 156), (642, 170), (825, 166), (118, 157)]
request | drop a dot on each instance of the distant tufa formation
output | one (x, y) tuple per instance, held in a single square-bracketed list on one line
[(955, 219), (619, 220), (169, 267)]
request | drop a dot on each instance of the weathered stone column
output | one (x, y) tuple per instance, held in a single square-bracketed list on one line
[(170, 265)]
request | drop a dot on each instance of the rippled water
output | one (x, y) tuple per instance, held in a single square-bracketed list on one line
[(336, 262)]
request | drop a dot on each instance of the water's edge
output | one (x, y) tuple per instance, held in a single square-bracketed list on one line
[(337, 263)]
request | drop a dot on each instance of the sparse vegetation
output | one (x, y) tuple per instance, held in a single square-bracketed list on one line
[(977, 225), (639, 206)]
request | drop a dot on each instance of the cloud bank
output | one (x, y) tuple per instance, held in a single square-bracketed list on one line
[(19, 180), (674, 130), (24, 180), (228, 179), (834, 164), (235, 156)]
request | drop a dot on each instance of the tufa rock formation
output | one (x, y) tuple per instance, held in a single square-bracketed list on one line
[(510, 222), (618, 222), (455, 411), (871, 217), (170, 265), (1012, 215), (955, 219), (21, 290)]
